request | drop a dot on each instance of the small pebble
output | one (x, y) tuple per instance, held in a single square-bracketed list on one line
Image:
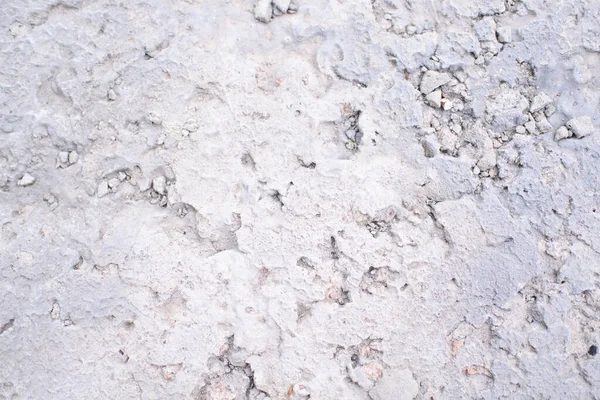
[(538, 116), (562, 133), (154, 119), (26, 180), (49, 198), (169, 173), (63, 156), (429, 149), (263, 11), (504, 34), (281, 5), (540, 102), (593, 350), (581, 126), (567, 160), (485, 29), (544, 126), (103, 189), (159, 184), (433, 80), (301, 390), (191, 125), (163, 201), (73, 157), (113, 183), (434, 98), (530, 126)]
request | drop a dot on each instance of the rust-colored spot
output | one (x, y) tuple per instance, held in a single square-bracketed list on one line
[(478, 370), (456, 345), (290, 390)]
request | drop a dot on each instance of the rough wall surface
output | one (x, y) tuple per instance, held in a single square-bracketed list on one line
[(324, 199)]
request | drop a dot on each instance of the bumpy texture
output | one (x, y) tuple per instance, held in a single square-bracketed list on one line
[(353, 199)]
